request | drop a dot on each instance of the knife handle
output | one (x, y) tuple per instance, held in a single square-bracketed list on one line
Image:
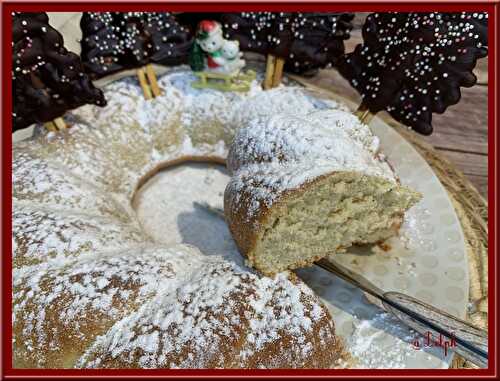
[(475, 339)]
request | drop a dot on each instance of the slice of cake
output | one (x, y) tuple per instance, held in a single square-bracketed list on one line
[(304, 187)]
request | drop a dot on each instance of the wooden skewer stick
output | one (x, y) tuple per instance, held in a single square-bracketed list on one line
[(363, 113), (268, 79), (57, 124), (278, 71), (50, 126), (144, 84), (150, 72), (60, 123)]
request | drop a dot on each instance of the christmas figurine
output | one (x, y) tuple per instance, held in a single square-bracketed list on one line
[(213, 58)]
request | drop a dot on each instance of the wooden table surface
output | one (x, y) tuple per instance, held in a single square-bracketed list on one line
[(460, 134)]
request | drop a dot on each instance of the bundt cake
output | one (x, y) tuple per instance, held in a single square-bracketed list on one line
[(305, 186), (92, 289)]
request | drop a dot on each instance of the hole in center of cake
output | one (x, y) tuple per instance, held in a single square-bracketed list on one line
[(167, 206)]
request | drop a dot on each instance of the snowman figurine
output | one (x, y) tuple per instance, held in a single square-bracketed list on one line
[(212, 52), (230, 51)]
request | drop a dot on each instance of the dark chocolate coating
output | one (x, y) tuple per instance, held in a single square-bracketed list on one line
[(115, 41), (320, 42), (306, 41), (47, 79), (413, 64)]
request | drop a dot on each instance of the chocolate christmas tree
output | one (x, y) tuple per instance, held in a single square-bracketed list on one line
[(47, 79), (413, 64), (320, 41), (114, 41), (305, 41)]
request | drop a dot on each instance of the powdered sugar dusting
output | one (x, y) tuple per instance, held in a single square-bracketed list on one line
[(216, 300), (42, 234), (54, 186), (86, 295), (337, 137), (272, 154)]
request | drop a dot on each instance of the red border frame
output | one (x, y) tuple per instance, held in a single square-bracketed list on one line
[(6, 370)]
